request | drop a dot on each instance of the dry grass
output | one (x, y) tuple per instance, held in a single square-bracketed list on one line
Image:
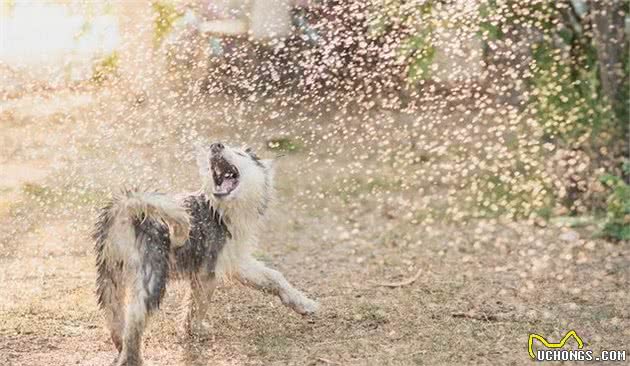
[(485, 283)]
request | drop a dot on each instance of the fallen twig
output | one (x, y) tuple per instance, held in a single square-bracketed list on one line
[(482, 317), (327, 361), (401, 283)]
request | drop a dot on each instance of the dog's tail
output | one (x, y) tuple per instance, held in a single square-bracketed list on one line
[(157, 207), (116, 229)]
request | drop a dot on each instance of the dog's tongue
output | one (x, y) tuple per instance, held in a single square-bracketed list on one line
[(226, 186)]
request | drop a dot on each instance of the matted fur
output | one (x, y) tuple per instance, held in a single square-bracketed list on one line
[(143, 239)]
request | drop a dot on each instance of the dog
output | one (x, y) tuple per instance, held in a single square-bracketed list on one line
[(144, 239)]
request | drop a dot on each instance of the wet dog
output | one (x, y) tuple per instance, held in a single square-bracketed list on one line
[(143, 239)]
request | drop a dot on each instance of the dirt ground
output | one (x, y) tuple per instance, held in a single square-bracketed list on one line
[(483, 284)]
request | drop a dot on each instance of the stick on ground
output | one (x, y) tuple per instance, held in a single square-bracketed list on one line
[(406, 282)]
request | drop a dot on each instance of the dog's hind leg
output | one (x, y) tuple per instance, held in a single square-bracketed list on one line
[(256, 275), (147, 273), (111, 298), (202, 286), (110, 285)]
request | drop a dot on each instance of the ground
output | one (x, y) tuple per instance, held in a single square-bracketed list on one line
[(484, 284)]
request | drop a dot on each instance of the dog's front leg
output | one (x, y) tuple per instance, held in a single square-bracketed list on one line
[(202, 286), (256, 275)]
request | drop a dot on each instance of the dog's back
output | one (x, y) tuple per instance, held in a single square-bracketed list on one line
[(206, 238)]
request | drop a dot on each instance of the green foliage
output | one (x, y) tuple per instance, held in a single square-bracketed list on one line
[(514, 195), (572, 109), (420, 52), (496, 16), (623, 109), (487, 29), (617, 224), (166, 16), (105, 69), (416, 49), (567, 100), (567, 94), (283, 144)]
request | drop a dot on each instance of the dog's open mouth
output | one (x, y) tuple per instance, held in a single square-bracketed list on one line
[(225, 176)]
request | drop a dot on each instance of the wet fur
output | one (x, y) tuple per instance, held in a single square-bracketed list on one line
[(144, 239)]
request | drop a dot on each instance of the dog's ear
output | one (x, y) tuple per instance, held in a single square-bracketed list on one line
[(270, 168), (269, 164)]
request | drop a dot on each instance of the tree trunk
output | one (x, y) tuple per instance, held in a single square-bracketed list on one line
[(608, 18)]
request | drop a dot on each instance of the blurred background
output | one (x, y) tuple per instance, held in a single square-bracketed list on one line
[(447, 170)]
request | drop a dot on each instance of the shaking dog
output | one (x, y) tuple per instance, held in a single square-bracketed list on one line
[(144, 239)]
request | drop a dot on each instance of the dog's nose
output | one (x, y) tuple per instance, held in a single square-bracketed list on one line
[(216, 147)]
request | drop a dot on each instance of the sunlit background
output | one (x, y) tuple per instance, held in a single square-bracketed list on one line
[(451, 175)]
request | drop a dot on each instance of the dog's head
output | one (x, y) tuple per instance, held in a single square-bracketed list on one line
[(236, 176)]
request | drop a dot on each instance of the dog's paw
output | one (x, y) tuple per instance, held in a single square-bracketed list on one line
[(306, 307), (121, 360), (299, 302), (198, 330)]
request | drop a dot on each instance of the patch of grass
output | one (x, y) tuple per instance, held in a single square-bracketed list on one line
[(271, 344), (617, 224), (51, 197), (381, 183), (5, 208), (576, 221), (105, 69), (545, 212), (370, 315), (89, 198), (262, 256), (37, 191), (284, 144), (522, 197), (353, 187), (4, 190), (439, 212)]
